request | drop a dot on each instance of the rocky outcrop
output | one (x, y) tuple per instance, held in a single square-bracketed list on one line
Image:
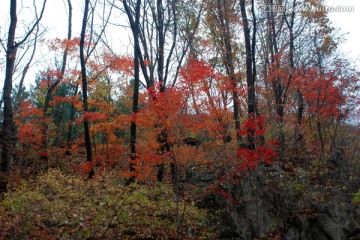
[(271, 202)]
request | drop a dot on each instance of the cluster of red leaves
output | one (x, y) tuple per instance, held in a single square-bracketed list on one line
[(279, 68), (249, 159), (66, 99), (123, 64), (208, 93), (27, 109), (162, 108), (122, 121), (195, 76), (30, 134), (93, 117), (71, 45), (145, 165), (52, 73), (43, 154), (49, 77), (196, 71), (253, 126), (321, 92), (29, 122), (85, 168)]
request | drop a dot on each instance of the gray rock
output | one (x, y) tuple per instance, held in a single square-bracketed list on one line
[(268, 200)]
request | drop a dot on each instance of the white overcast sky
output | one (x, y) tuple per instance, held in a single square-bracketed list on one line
[(349, 23), (55, 20)]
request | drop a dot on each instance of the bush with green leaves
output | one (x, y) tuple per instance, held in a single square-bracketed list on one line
[(356, 199), (58, 206)]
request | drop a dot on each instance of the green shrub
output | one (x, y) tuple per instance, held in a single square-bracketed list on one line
[(356, 199), (59, 206)]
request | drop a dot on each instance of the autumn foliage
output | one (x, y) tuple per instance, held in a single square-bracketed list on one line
[(208, 101)]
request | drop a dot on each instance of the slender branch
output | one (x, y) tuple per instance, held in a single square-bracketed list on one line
[(33, 27)]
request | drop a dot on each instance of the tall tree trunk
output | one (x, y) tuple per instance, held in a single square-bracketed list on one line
[(163, 136), (321, 70), (321, 139), (135, 107), (8, 128), (261, 138), (155, 27), (300, 100), (84, 88), (8, 124), (59, 129), (58, 80), (224, 21), (250, 80), (277, 86), (161, 44)]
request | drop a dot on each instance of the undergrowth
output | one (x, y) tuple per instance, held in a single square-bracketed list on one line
[(59, 206)]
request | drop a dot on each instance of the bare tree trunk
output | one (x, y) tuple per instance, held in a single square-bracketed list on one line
[(163, 137), (249, 72), (58, 80), (300, 100), (277, 86), (58, 138), (321, 139), (135, 27), (8, 128), (224, 22), (157, 21), (321, 70), (84, 88), (8, 124), (162, 72)]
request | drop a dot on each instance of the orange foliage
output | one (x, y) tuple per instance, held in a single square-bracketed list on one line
[(59, 44), (92, 117), (29, 130), (68, 99), (123, 64)]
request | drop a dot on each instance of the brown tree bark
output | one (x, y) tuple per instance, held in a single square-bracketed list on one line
[(84, 88), (8, 125), (135, 27), (53, 86), (223, 9), (157, 29), (8, 128), (250, 69)]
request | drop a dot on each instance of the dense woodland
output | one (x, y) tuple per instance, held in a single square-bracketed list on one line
[(228, 119)]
